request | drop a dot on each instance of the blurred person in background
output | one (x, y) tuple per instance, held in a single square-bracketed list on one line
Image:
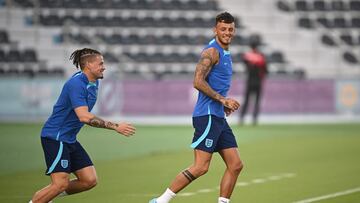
[(256, 71), (212, 133), (63, 153)]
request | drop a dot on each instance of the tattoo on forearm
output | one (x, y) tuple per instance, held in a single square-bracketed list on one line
[(100, 123), (111, 125), (217, 96), (97, 122)]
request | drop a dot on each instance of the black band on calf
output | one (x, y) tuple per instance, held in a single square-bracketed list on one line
[(188, 175)]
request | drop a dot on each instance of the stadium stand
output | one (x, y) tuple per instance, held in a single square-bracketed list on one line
[(21, 62), (312, 34), (124, 4), (350, 57), (4, 37), (337, 22), (160, 37)]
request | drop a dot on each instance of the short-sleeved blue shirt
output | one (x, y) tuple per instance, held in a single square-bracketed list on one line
[(63, 124), (219, 79)]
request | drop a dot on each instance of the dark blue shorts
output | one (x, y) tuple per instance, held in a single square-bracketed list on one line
[(212, 134), (64, 157)]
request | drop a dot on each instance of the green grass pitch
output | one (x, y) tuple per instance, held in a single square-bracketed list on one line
[(283, 164)]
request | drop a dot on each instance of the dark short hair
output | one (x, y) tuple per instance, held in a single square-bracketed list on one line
[(224, 17)]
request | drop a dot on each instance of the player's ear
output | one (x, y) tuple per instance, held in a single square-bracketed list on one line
[(87, 64)]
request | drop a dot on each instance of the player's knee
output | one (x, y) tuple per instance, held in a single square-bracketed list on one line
[(90, 182), (236, 167), (202, 170), (60, 186)]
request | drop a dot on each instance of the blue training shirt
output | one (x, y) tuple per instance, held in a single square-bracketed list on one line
[(219, 80), (63, 124)]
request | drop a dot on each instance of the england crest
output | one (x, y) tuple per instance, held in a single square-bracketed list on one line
[(208, 143), (64, 163)]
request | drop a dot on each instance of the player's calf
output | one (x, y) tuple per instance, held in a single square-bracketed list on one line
[(189, 175)]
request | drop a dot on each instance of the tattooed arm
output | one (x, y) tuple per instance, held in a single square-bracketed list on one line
[(100, 123), (90, 119), (209, 58)]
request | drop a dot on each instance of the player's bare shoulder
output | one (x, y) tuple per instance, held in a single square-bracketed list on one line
[(211, 54), (209, 57)]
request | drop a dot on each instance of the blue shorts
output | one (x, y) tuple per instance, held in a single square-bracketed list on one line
[(212, 134), (64, 157)]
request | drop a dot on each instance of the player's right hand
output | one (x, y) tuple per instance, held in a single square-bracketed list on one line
[(125, 129), (231, 104)]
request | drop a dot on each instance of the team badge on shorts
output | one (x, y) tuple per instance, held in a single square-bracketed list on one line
[(64, 163), (208, 143)]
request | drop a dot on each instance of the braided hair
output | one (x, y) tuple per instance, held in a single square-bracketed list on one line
[(79, 57)]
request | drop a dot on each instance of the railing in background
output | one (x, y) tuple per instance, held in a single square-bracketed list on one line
[(23, 99)]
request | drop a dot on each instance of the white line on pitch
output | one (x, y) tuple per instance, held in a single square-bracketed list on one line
[(238, 184), (139, 195), (314, 199), (205, 190), (243, 184), (258, 180)]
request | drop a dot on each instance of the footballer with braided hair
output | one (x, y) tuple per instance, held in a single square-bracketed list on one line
[(63, 153)]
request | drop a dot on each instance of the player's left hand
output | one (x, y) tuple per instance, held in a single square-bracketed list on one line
[(230, 103), (228, 111)]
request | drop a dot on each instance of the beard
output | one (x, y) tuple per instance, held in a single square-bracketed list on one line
[(100, 77)]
